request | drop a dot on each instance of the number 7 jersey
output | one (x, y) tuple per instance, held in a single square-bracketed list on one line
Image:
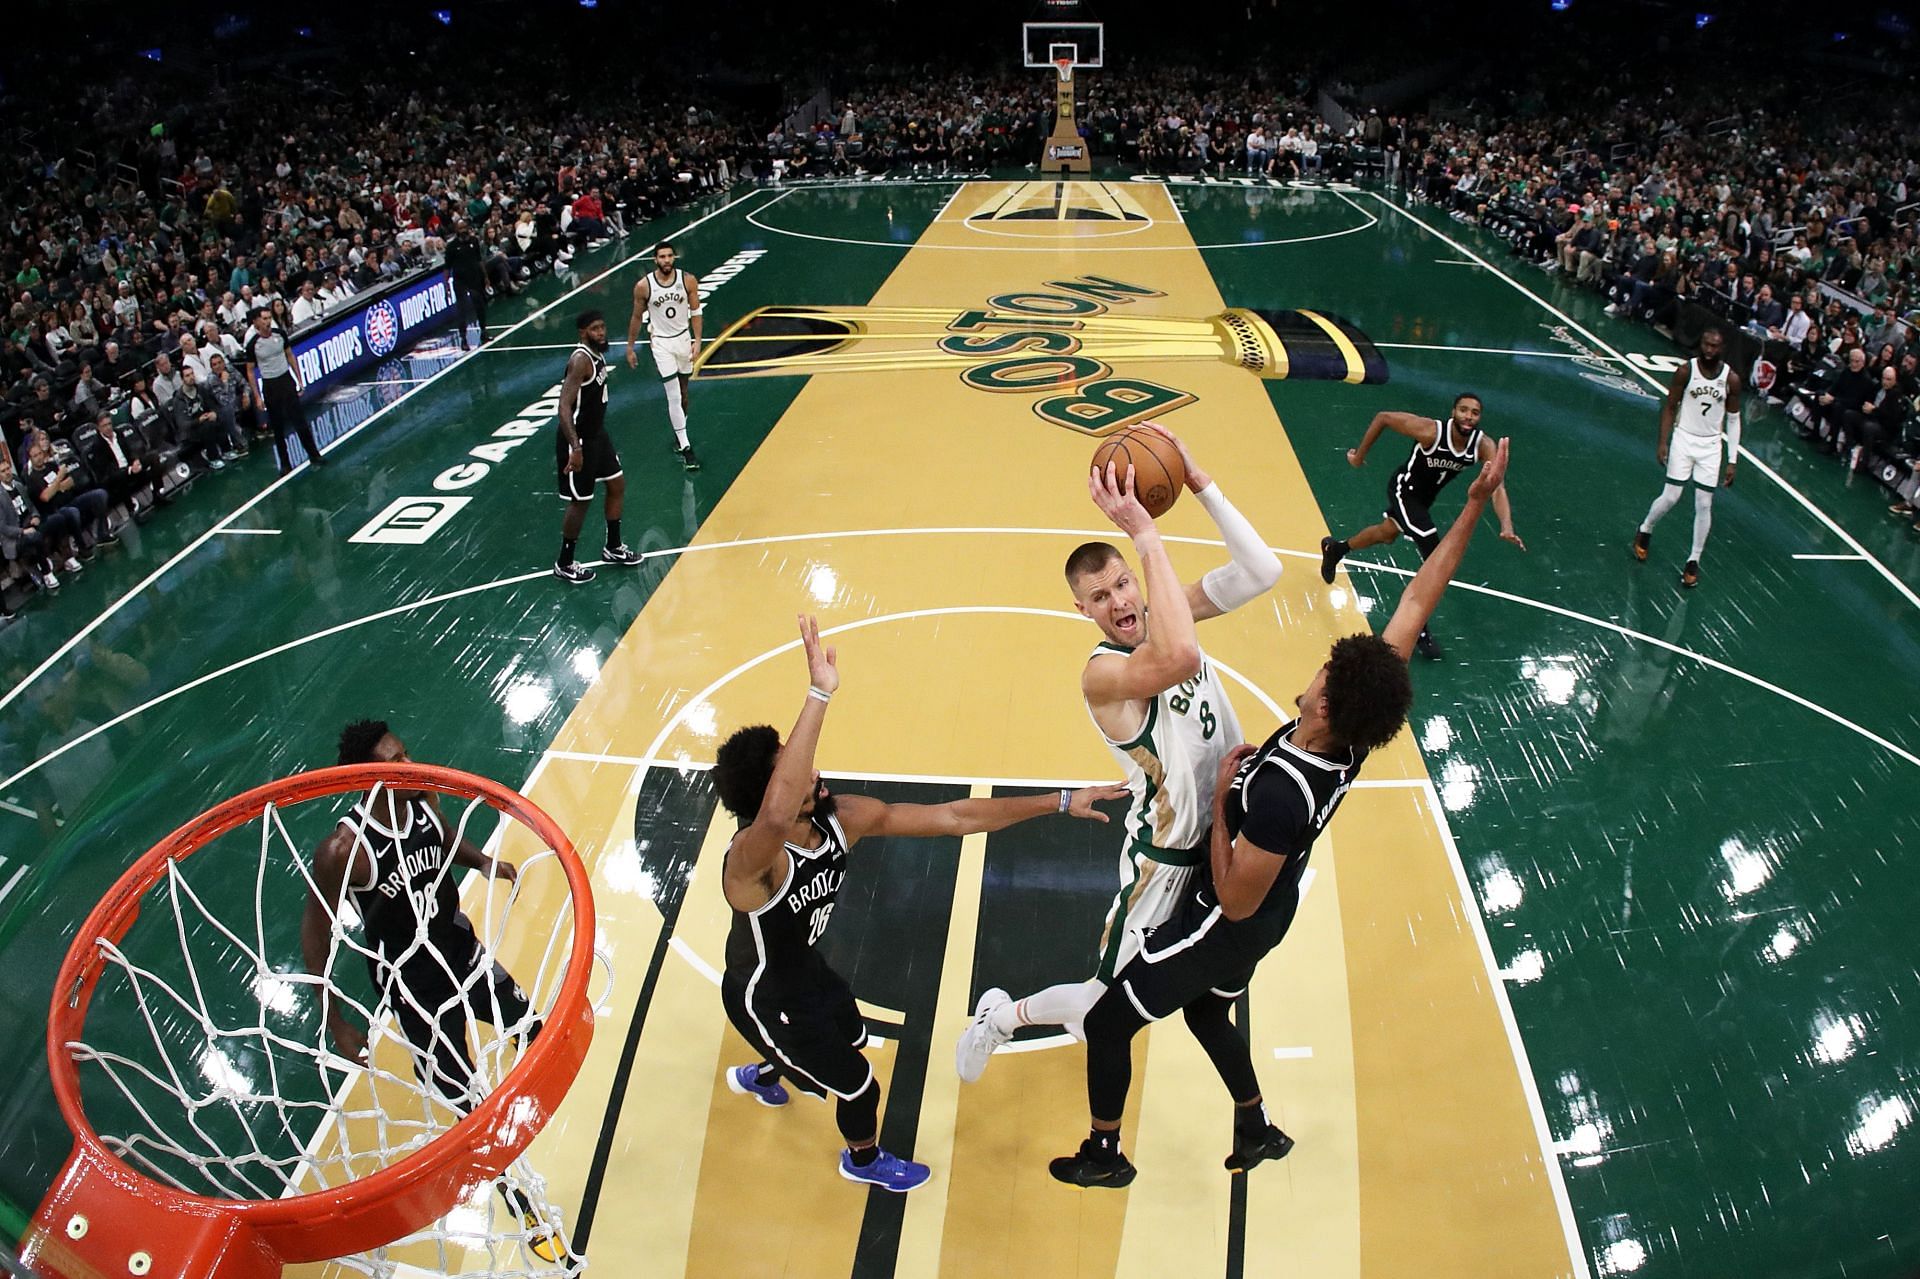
[(1174, 759)]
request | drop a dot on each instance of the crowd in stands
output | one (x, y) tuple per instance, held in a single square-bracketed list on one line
[(1797, 233), (134, 280), (134, 283)]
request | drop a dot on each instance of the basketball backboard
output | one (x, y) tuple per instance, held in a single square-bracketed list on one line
[(1045, 43)]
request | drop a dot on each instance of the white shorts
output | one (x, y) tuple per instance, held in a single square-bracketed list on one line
[(1149, 892), (673, 356), (1693, 457)]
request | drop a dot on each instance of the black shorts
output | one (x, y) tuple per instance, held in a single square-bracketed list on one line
[(1415, 520), (1199, 952), (814, 1032), (598, 463)]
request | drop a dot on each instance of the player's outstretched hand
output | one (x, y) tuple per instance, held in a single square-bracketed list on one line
[(1508, 535), (1493, 474), (1197, 479), (1113, 494), (1228, 767), (507, 872), (1081, 803), (822, 669), (350, 1040)]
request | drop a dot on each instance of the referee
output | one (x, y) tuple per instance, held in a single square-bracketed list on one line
[(267, 350)]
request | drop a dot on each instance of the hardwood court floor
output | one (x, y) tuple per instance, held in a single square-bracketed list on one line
[(1601, 973)]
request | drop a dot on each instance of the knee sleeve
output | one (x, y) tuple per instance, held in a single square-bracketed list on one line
[(858, 1116)]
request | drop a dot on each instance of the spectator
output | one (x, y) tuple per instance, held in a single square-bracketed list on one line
[(233, 404), (129, 472), (1851, 393), (58, 492), (91, 396), (32, 540), (196, 422), (308, 306), (165, 382), (1883, 421)]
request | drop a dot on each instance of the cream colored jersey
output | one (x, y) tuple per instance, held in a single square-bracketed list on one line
[(1703, 405), (1173, 762)]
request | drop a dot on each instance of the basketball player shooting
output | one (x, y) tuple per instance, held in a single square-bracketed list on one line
[(782, 877), (1702, 403), (1269, 805), (1441, 450), (393, 856), (1160, 708), (667, 300), (585, 454)]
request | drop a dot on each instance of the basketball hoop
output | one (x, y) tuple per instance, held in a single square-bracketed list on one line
[(259, 1145), (1065, 66)]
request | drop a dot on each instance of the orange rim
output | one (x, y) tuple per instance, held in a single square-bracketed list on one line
[(420, 1188)]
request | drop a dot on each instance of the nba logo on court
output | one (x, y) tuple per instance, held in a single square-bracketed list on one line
[(410, 521), (383, 328)]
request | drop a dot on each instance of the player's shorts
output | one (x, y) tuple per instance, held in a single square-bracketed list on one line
[(1693, 457), (813, 1033), (1415, 521), (1150, 889), (598, 463), (1199, 951), (673, 356)]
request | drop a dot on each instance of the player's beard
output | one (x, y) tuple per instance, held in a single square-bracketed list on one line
[(823, 802), (599, 345)]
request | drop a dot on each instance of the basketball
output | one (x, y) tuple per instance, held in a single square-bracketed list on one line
[(1158, 472)]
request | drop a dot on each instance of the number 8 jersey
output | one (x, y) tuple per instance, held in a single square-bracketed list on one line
[(1173, 761), (773, 947)]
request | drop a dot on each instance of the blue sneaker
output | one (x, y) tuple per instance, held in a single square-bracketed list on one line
[(889, 1172), (745, 1080)]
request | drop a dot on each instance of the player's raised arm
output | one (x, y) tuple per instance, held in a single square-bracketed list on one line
[(1420, 430), (337, 863), (1170, 653), (633, 325), (1502, 507), (1423, 593), (862, 816), (758, 847), (1254, 568)]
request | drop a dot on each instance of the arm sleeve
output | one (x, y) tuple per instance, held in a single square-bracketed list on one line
[(1276, 812), (1733, 432), (1253, 569)]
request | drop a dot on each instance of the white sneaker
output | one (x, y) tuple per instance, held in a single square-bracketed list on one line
[(50, 581), (978, 1041), (71, 566)]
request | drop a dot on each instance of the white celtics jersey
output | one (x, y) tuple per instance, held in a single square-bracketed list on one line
[(1703, 405), (668, 313), (1174, 760)]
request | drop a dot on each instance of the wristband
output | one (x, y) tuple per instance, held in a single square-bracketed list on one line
[(1066, 799), (819, 694)]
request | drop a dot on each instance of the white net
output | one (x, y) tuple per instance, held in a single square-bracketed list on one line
[(207, 1063)]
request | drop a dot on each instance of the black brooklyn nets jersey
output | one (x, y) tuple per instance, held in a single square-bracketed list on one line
[(590, 411), (409, 849), (1281, 799), (1428, 470), (774, 946)]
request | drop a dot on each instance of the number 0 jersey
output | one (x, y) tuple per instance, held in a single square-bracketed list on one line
[(668, 314), (774, 945), (1173, 762)]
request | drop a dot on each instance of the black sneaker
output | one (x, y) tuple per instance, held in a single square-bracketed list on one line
[(1256, 1147), (1642, 543), (108, 542), (1427, 646), (1690, 575), (1331, 553), (623, 555), (688, 460), (1092, 1167), (575, 574)]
